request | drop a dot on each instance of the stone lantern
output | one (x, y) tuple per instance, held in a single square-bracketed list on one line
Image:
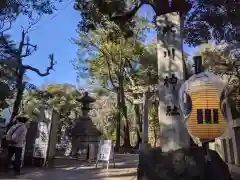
[(85, 135), (86, 100)]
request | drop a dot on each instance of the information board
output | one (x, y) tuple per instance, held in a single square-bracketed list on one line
[(105, 152)]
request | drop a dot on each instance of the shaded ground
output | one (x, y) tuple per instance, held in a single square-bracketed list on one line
[(125, 170), (235, 171)]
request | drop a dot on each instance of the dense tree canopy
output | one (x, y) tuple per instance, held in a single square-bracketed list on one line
[(207, 19), (12, 8), (116, 62), (105, 53), (61, 97), (7, 70), (213, 19), (104, 114), (95, 13)]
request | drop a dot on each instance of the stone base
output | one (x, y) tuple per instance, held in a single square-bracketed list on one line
[(182, 164)]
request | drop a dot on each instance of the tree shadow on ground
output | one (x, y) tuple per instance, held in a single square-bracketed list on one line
[(125, 169)]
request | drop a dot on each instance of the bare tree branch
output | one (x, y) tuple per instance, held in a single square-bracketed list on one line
[(21, 46), (49, 68), (5, 29), (30, 27), (29, 49)]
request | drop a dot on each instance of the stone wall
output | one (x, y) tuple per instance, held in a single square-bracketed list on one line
[(182, 164), (228, 147)]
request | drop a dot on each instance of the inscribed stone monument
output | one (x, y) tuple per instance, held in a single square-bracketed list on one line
[(170, 70)]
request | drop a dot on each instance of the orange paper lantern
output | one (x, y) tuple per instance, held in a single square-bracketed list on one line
[(200, 101)]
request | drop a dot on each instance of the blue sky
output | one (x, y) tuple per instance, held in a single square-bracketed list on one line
[(52, 35)]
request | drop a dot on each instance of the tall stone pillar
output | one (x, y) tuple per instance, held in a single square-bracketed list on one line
[(170, 71)]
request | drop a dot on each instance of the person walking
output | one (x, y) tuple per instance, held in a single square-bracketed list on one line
[(15, 138)]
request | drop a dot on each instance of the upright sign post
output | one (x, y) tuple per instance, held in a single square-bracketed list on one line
[(105, 152)]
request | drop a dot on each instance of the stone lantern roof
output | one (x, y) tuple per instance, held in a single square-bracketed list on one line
[(85, 127), (86, 99)]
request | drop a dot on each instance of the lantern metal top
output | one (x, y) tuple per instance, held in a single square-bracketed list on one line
[(86, 99)]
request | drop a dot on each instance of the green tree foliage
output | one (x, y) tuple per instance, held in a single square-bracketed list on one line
[(224, 61), (95, 13), (7, 71), (105, 53), (121, 11), (109, 57), (146, 73), (104, 113), (61, 97), (214, 19), (12, 8), (106, 47), (5, 94)]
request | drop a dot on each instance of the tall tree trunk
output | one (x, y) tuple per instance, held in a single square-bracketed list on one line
[(20, 89), (145, 120), (124, 111), (137, 117), (118, 127)]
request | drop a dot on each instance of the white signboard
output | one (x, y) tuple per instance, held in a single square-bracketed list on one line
[(105, 152)]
